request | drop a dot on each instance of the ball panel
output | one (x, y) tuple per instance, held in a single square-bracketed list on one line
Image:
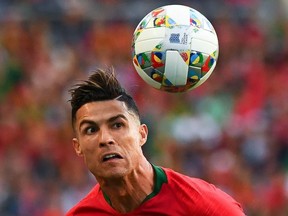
[(144, 59), (149, 39), (146, 46), (197, 59), (155, 75), (151, 33), (200, 20), (176, 69), (205, 77), (150, 59), (147, 78), (194, 74), (209, 62), (204, 46), (173, 14), (157, 59)]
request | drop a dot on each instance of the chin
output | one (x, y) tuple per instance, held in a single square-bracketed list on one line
[(112, 173)]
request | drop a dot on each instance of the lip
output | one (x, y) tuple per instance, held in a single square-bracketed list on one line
[(104, 156)]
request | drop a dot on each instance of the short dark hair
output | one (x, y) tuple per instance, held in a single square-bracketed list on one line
[(101, 85)]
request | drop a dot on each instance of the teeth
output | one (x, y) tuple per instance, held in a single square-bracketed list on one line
[(109, 156)]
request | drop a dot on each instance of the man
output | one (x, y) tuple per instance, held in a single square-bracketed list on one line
[(109, 137)]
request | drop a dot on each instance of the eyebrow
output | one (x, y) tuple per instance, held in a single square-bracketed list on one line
[(116, 117), (113, 118)]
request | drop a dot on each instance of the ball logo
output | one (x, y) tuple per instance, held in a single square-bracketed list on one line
[(177, 38), (184, 39), (174, 38)]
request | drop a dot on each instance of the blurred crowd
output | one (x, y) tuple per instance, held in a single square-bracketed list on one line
[(231, 131)]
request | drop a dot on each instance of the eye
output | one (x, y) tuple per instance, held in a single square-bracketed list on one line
[(90, 130), (118, 125)]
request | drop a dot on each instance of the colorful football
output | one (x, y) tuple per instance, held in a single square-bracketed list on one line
[(175, 48)]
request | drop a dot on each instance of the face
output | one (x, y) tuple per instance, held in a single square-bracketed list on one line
[(109, 138)]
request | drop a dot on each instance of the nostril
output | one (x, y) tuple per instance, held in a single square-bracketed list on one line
[(102, 144)]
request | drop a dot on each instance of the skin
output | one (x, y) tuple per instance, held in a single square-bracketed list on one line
[(108, 127)]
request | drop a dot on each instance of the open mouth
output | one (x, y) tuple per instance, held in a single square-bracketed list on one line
[(111, 157)]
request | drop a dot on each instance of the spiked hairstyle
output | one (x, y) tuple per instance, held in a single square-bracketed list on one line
[(101, 85)]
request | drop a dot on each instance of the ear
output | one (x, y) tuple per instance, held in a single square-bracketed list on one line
[(77, 147), (143, 129)]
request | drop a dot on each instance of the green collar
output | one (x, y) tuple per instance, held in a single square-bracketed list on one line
[(160, 179)]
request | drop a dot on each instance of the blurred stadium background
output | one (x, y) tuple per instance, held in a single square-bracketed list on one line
[(231, 131)]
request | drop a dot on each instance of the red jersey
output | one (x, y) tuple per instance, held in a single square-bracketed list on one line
[(174, 194)]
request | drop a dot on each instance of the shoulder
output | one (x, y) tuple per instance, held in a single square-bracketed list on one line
[(201, 194), (86, 201), (187, 181), (181, 180)]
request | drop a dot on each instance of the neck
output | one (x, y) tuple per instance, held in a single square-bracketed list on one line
[(128, 192)]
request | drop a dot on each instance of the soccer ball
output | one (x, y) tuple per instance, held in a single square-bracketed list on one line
[(175, 48)]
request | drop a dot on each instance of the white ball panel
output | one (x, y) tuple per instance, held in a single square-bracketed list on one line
[(203, 46), (176, 70), (204, 41), (206, 35), (149, 39), (173, 12), (151, 33), (147, 45)]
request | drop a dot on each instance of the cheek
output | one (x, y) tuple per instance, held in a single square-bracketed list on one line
[(91, 159), (89, 150), (133, 146), (87, 142)]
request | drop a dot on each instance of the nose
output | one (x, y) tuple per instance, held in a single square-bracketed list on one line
[(105, 137)]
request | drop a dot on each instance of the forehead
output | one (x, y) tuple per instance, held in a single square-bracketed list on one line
[(102, 110)]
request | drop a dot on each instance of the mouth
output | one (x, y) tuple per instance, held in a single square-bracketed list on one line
[(111, 156)]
